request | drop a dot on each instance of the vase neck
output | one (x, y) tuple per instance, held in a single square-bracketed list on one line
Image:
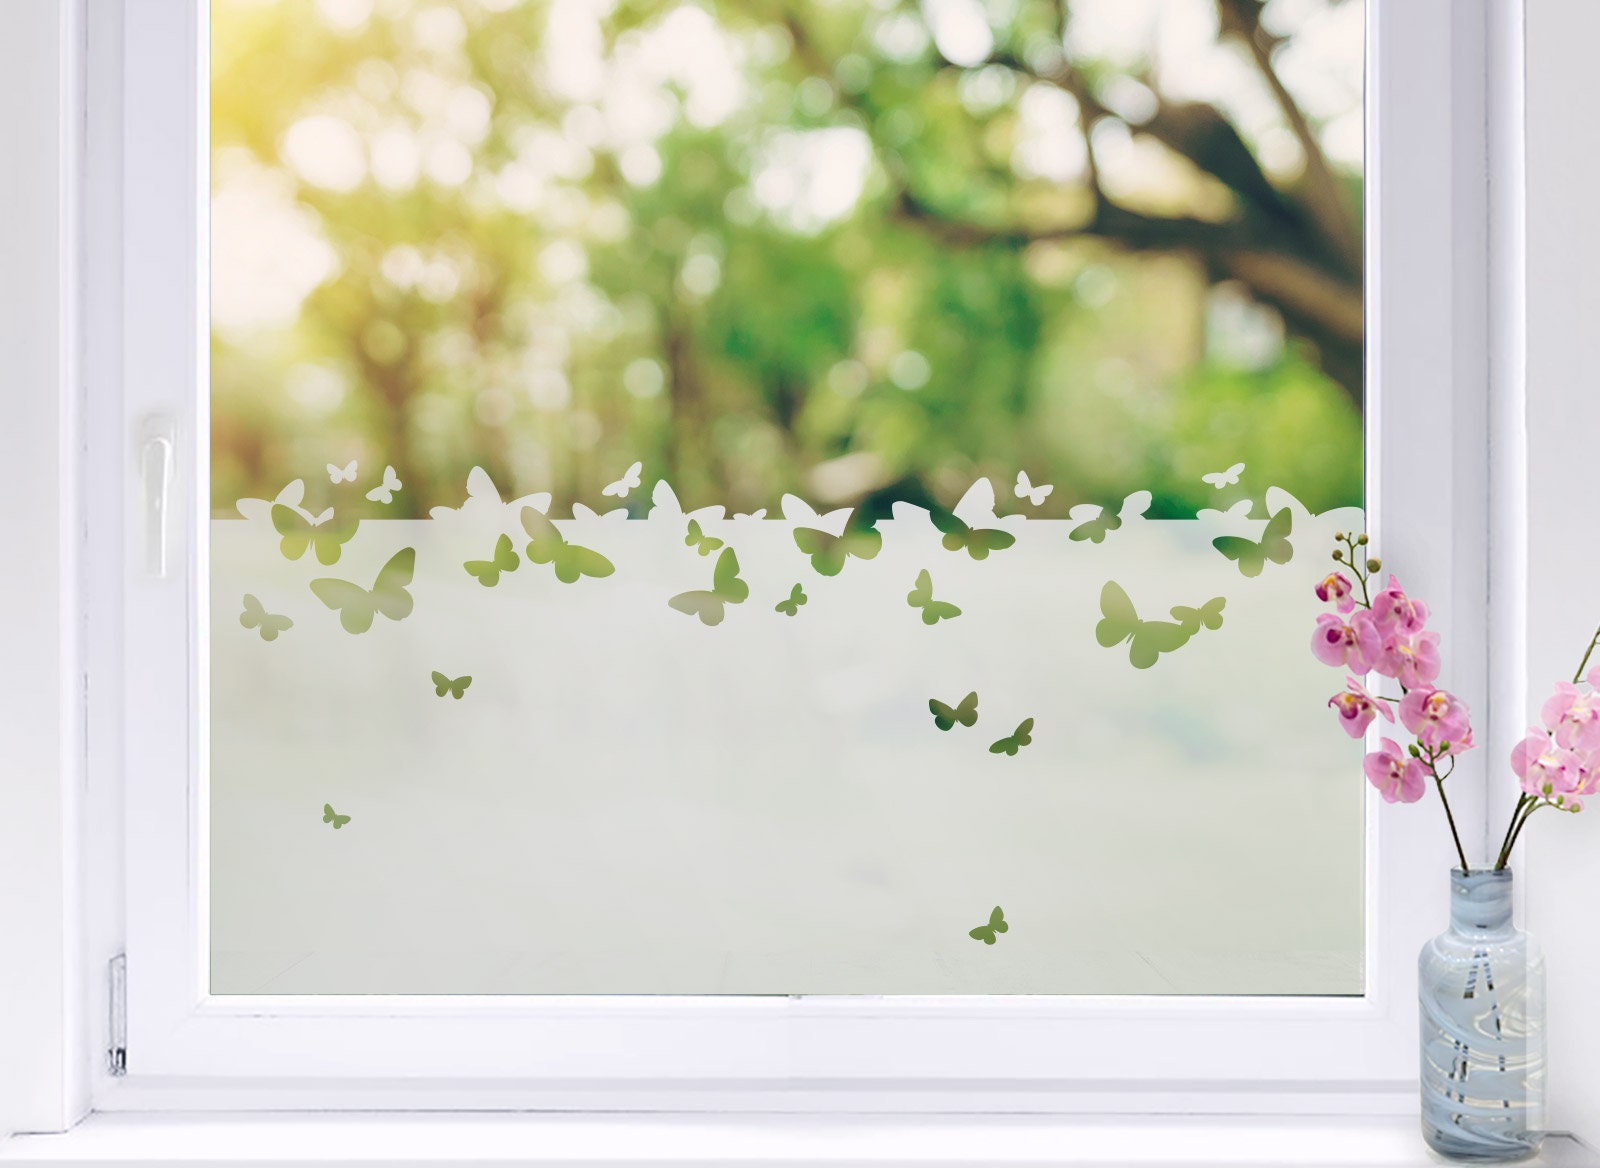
[(1480, 902)]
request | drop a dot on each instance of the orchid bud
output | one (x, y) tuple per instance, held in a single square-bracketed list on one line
[(1362, 539), (1338, 555), (1374, 564)]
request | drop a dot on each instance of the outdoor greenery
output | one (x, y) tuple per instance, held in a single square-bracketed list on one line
[(835, 247)]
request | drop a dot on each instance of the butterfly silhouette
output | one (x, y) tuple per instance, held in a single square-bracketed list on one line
[(255, 616), (699, 540), (357, 606), (346, 474), (329, 815), (299, 533), (1208, 614), (384, 491), (1026, 490), (966, 712), (1095, 530), (986, 933), (1014, 741), (726, 588), (455, 687), (791, 607), (548, 546), (1224, 478), (978, 542), (1252, 555), (933, 611), (626, 483), (829, 552), (487, 572), (483, 498), (1147, 639)]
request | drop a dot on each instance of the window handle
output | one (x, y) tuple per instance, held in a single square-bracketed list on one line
[(155, 469)]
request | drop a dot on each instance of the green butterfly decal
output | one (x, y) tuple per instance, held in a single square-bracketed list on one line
[(945, 716), (986, 933), (829, 552), (791, 607), (548, 546), (933, 611), (455, 687), (1016, 740), (979, 542), (1208, 614), (1094, 530), (255, 616), (329, 815), (699, 540), (487, 572), (299, 533), (726, 588), (357, 606), (1148, 639), (1252, 555)]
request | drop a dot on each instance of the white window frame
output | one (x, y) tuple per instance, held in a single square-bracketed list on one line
[(146, 184)]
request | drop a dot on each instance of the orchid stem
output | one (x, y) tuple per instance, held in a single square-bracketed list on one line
[(1515, 835), (1449, 815), (1511, 831), (1587, 653)]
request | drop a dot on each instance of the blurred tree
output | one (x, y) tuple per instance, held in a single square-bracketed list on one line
[(833, 249)]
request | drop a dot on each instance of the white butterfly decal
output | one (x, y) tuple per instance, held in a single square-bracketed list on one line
[(579, 511), (345, 474), (1224, 478), (1026, 490), (384, 491), (293, 493), (626, 483), (665, 500), (484, 500)]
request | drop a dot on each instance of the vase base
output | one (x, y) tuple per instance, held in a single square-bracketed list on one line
[(1469, 1146)]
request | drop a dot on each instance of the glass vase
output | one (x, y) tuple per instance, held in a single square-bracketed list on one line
[(1480, 986)]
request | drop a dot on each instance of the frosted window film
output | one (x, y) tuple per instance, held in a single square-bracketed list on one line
[(644, 751), (811, 499)]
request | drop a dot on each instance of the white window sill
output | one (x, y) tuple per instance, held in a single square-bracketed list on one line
[(541, 1141)]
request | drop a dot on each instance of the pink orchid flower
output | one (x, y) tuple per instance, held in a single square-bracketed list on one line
[(1412, 661), (1396, 612), (1336, 587), (1357, 708), (1436, 716), (1547, 769), (1399, 779), (1355, 645), (1574, 717)]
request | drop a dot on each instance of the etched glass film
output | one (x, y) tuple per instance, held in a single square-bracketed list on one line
[(726, 498)]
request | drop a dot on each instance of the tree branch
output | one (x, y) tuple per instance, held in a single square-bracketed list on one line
[(1242, 19), (1267, 246)]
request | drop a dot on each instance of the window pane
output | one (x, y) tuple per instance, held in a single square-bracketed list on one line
[(638, 427)]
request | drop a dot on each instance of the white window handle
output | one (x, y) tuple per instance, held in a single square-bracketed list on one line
[(155, 469)]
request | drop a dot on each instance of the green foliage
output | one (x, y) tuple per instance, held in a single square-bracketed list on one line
[(551, 311)]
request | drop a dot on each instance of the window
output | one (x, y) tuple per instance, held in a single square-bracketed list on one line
[(615, 926)]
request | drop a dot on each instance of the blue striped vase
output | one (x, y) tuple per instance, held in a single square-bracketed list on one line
[(1480, 986)]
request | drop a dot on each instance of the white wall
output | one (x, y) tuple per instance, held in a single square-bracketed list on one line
[(1562, 862), (38, 676)]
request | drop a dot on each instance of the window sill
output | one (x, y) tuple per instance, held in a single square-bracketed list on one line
[(792, 1141)]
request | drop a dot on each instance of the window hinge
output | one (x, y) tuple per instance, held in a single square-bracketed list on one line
[(117, 1052)]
